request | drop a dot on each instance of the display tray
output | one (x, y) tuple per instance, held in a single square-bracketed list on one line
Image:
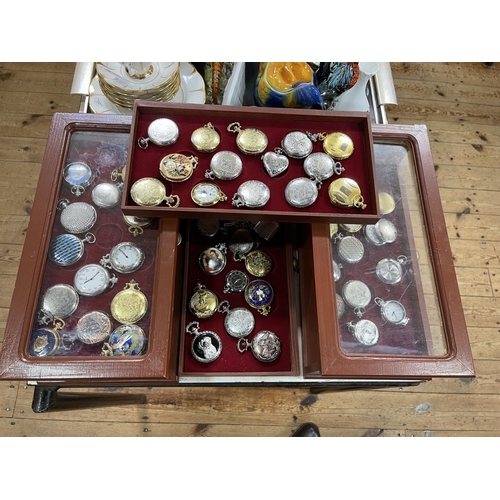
[(275, 124), (281, 319)]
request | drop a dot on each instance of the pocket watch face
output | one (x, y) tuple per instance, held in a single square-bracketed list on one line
[(44, 342), (177, 167), (394, 312), (91, 280), (236, 281), (206, 347), (206, 194), (212, 261), (126, 257)]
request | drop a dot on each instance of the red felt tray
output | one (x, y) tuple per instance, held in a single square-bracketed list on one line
[(275, 123)]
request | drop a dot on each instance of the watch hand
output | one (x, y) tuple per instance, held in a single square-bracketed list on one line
[(90, 279), (123, 253)]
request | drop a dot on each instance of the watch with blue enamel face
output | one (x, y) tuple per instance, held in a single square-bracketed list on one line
[(259, 294), (67, 249), (126, 340)]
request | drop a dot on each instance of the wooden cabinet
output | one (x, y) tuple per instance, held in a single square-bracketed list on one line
[(319, 345)]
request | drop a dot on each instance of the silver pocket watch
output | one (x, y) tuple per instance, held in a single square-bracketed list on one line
[(239, 322), (206, 346), (107, 194), (265, 346), (252, 194), (364, 331), (78, 217), (275, 162), (301, 192), (224, 165), (240, 242), (67, 249), (162, 132), (390, 271), (350, 249), (382, 233), (356, 295), (93, 279), (78, 175), (126, 257), (58, 301), (392, 311), (320, 166), (297, 144)]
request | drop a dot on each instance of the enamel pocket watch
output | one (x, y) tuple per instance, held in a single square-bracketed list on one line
[(177, 167), (203, 302), (46, 341), (130, 305), (150, 192), (94, 327), (392, 311), (346, 193), (297, 144), (250, 141), (253, 194), (364, 331), (259, 294), (239, 322), (162, 132), (126, 257), (78, 175), (206, 346), (207, 194), (224, 165), (301, 192), (275, 162), (67, 249), (93, 279), (205, 139), (78, 217), (265, 346), (126, 340), (213, 260)]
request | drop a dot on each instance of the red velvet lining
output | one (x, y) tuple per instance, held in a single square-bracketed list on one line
[(277, 321), (145, 163)]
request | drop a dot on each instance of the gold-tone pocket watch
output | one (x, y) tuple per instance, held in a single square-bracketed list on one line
[(336, 144), (346, 193), (257, 262), (206, 194), (177, 167), (130, 305), (205, 139), (250, 141), (150, 192), (203, 302)]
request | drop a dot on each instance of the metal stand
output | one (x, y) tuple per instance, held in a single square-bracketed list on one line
[(44, 398)]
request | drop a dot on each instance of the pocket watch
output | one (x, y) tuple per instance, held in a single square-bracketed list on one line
[(203, 302), (320, 166), (259, 294), (224, 165), (177, 167), (213, 260), (390, 271), (350, 249), (126, 340), (94, 327), (257, 263), (265, 346), (275, 162), (118, 174), (78, 175), (253, 194), (392, 311), (239, 322), (337, 271), (150, 192), (236, 281), (346, 193), (240, 242), (386, 202), (365, 331), (356, 295), (130, 305), (373, 236), (67, 249), (126, 257), (107, 195), (205, 139), (301, 192), (206, 346), (136, 225), (340, 305), (58, 301), (351, 228), (336, 144), (162, 132), (250, 141), (93, 279), (296, 144), (208, 227), (46, 341), (77, 217), (387, 230), (207, 194)]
